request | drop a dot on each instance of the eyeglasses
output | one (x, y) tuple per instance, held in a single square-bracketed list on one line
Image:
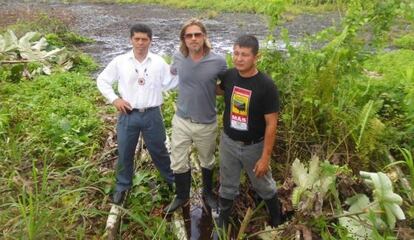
[(193, 35)]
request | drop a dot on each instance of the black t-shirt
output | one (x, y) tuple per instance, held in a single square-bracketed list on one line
[(247, 100)]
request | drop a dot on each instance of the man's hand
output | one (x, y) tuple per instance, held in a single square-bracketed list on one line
[(122, 105), (261, 167)]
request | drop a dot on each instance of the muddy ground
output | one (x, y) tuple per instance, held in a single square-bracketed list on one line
[(108, 24)]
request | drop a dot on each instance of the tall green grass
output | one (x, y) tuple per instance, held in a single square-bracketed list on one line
[(344, 101)]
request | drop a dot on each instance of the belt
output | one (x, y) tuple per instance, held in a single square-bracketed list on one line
[(141, 110), (250, 142)]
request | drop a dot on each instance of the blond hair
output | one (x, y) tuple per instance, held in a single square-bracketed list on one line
[(193, 22)]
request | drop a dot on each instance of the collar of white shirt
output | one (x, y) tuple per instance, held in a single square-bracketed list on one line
[(149, 57)]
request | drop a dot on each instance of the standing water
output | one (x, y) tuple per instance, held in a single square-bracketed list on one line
[(108, 24)]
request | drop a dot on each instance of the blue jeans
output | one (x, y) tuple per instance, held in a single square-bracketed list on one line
[(129, 127), (235, 156)]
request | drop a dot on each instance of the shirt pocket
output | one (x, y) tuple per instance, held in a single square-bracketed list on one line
[(154, 81)]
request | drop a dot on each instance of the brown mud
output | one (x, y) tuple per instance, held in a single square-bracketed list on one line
[(108, 24)]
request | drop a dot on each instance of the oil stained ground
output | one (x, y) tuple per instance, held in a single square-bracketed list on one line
[(108, 25)]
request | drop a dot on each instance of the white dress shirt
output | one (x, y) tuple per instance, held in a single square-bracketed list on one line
[(154, 74)]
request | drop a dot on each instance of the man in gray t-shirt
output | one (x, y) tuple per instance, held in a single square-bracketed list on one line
[(195, 118)]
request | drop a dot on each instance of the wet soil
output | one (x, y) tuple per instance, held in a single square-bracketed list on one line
[(108, 24)]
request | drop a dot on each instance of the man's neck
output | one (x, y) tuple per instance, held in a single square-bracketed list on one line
[(249, 73), (197, 56), (140, 56)]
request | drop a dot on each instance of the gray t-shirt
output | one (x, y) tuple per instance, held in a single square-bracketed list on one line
[(197, 86)]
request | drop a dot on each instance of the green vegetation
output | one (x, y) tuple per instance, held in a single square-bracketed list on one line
[(349, 103), (54, 169), (266, 7), (406, 41)]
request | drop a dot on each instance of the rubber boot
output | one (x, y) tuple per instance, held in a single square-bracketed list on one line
[(182, 190), (208, 196), (273, 206), (225, 212)]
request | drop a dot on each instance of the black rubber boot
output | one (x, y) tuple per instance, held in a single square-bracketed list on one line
[(225, 212), (208, 196), (118, 197), (273, 206), (182, 190)]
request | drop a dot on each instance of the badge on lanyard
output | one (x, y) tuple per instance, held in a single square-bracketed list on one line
[(141, 79)]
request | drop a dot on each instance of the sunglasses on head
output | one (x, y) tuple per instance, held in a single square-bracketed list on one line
[(193, 35)]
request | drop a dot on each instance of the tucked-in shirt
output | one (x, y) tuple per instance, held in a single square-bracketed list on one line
[(197, 86), (139, 83)]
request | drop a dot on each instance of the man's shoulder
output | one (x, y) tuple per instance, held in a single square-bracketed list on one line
[(215, 56), (231, 71), (122, 57), (267, 82), (156, 57), (265, 78), (228, 73), (178, 55)]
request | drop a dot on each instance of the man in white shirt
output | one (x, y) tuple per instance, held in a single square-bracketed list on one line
[(142, 76)]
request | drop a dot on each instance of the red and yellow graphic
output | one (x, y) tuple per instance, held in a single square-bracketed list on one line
[(239, 110)]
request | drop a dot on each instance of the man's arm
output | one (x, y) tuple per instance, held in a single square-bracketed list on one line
[(219, 90), (169, 76), (262, 165), (105, 81)]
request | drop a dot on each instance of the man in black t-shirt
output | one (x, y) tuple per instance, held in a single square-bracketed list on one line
[(250, 121)]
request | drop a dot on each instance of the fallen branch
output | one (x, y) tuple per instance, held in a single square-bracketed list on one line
[(16, 61)]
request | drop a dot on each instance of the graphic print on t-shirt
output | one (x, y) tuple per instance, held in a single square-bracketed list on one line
[(239, 111)]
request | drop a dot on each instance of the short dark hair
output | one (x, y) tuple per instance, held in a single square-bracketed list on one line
[(248, 41), (141, 28)]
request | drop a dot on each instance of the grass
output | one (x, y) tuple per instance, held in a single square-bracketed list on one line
[(55, 158), (50, 134), (349, 103)]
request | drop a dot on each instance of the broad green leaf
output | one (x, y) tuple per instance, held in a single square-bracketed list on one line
[(2, 44), (10, 41), (30, 55), (53, 52), (46, 70), (397, 211), (388, 201), (325, 182), (389, 216), (296, 194), (314, 171), (299, 173), (26, 41), (68, 65), (40, 45), (357, 203)]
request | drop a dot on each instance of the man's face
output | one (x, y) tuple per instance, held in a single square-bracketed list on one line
[(243, 58), (140, 42), (194, 38)]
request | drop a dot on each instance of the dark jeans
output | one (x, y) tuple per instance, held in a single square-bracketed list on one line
[(151, 125)]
